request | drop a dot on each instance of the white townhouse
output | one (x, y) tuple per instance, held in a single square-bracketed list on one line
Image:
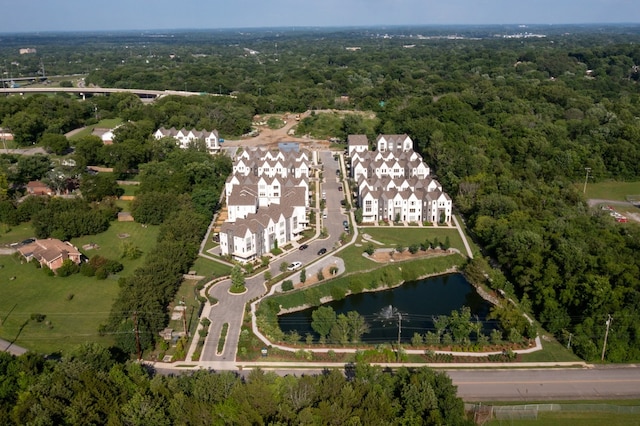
[(357, 143), (184, 138), (256, 235), (394, 184), (261, 162), (267, 197)]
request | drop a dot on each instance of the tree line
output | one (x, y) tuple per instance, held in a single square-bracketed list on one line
[(91, 386)]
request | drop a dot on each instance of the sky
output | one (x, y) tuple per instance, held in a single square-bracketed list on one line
[(112, 15)]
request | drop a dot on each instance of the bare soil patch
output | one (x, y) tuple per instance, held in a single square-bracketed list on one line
[(386, 256)]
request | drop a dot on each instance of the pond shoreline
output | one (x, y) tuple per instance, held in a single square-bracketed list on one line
[(454, 270)]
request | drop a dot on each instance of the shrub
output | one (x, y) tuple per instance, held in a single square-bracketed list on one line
[(87, 270), (38, 317), (287, 285), (68, 268), (101, 273), (337, 293)]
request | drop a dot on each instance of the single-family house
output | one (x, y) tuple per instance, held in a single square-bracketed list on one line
[(50, 252), (36, 187)]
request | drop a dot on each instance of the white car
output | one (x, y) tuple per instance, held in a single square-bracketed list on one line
[(294, 266), (324, 215)]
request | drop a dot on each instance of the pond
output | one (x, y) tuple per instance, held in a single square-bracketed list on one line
[(417, 301)]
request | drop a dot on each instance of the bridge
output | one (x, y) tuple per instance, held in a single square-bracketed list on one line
[(84, 91)]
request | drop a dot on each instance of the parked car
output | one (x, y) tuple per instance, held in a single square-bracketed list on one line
[(304, 246), (322, 251), (345, 223), (324, 215), (294, 266), (339, 188)]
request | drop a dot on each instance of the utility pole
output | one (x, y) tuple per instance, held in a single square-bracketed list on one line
[(569, 344), (606, 334), (399, 332), (137, 333), (584, 190)]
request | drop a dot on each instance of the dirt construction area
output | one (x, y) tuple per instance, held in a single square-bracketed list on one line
[(271, 137)]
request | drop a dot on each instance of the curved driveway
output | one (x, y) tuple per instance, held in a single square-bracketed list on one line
[(230, 308)]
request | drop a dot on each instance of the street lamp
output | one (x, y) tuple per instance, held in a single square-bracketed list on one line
[(588, 169)]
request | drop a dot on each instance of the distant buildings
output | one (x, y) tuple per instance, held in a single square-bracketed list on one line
[(394, 183), (184, 138), (267, 196)]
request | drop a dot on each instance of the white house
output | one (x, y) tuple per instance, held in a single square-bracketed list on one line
[(357, 143), (184, 138)]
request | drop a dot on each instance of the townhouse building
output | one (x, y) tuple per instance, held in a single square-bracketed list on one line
[(394, 183), (184, 138), (267, 196)]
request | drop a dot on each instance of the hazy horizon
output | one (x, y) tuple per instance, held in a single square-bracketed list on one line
[(163, 15)]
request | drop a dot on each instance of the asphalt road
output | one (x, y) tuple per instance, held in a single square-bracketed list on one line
[(547, 384)]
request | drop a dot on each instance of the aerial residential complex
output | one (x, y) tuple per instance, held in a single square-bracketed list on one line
[(394, 183), (267, 196)]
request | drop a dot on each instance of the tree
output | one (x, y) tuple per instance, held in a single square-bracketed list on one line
[(340, 331), (323, 320), (357, 326), (303, 275), (32, 167), (87, 150), (237, 279), (99, 186), (56, 143)]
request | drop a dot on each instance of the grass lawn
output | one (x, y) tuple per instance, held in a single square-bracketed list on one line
[(354, 260), (573, 418), (15, 234), (110, 242), (611, 190), (552, 351), (74, 306), (391, 236), (209, 268), (109, 123), (130, 190)]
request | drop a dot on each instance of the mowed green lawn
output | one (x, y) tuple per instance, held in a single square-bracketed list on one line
[(391, 237), (611, 190), (109, 123), (74, 306)]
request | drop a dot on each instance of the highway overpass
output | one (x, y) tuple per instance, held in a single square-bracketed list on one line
[(84, 91)]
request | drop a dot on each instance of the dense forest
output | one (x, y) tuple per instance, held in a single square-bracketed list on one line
[(90, 387), (508, 124)]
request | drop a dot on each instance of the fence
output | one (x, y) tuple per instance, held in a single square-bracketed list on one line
[(482, 413)]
